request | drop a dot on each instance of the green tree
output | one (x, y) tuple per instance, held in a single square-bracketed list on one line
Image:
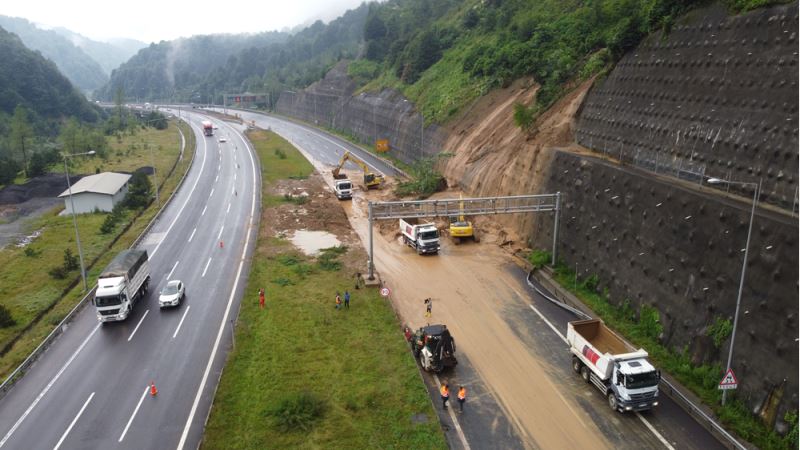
[(5, 317), (21, 134), (70, 260), (70, 137), (139, 189), (8, 170)]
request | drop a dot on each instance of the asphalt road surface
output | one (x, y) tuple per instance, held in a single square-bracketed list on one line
[(90, 388), (542, 328)]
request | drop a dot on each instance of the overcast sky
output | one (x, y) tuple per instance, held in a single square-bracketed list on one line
[(156, 20)]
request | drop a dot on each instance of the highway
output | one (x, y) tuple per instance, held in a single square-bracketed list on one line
[(541, 328), (90, 388)]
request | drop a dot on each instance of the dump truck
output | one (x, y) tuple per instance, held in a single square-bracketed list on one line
[(208, 128), (121, 284), (627, 379), (343, 189), (422, 237), (371, 179), (434, 347)]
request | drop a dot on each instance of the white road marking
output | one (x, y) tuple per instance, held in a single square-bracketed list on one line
[(185, 201), (200, 388), (69, 428), (647, 424), (49, 385), (130, 421), (234, 176), (193, 231), (212, 193), (137, 325), (220, 232), (169, 275), (655, 432), (216, 178), (204, 211), (459, 431), (229, 209), (204, 270), (181, 322), (541, 316)]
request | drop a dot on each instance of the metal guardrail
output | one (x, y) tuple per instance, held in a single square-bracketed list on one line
[(703, 419), (8, 383), (455, 207)]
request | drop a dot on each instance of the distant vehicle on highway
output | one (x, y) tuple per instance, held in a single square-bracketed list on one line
[(222, 139), (172, 294)]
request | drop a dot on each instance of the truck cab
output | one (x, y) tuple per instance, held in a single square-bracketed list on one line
[(343, 189), (634, 385)]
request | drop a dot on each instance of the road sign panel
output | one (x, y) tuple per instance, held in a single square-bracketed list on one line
[(385, 292), (729, 381)]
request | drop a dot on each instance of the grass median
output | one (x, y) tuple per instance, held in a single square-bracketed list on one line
[(302, 373)]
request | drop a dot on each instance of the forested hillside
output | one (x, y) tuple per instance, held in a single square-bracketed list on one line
[(444, 54), (109, 55), (30, 80), (175, 69), (197, 68), (84, 72)]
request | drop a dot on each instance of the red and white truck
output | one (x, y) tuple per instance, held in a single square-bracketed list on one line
[(208, 128), (627, 379), (422, 237)]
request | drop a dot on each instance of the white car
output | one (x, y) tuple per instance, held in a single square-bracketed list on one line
[(222, 139), (172, 294)]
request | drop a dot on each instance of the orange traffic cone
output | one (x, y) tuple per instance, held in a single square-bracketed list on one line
[(221, 244), (153, 390)]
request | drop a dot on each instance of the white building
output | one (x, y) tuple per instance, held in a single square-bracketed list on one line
[(97, 192)]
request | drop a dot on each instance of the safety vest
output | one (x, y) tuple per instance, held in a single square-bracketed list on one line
[(445, 391), (462, 393)]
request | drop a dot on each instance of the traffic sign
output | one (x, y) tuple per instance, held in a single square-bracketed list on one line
[(385, 291), (729, 381)]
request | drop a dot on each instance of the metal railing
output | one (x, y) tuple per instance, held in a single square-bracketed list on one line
[(455, 207)]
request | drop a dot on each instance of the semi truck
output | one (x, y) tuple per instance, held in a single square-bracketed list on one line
[(422, 237), (121, 284), (627, 379), (435, 348), (208, 128)]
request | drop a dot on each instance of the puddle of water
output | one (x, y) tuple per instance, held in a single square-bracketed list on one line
[(311, 242)]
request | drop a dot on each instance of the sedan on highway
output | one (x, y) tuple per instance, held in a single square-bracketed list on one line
[(172, 294), (222, 139)]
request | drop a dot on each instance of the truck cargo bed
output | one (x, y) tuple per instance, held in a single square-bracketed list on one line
[(600, 337)]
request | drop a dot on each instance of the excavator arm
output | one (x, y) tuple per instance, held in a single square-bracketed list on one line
[(371, 180)]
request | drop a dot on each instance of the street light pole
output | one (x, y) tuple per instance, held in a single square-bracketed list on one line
[(744, 265), (75, 220)]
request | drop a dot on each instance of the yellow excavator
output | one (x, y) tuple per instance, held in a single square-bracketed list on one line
[(371, 179), (461, 228)]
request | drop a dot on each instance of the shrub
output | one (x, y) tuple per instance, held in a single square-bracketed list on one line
[(719, 331), (70, 261), (58, 273), (298, 412), (540, 258), (280, 153), (5, 317)]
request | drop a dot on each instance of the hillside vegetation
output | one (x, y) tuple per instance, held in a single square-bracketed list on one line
[(28, 79), (200, 69), (83, 71), (444, 54)]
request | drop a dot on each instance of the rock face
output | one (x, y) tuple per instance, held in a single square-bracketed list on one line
[(716, 96), (367, 116)]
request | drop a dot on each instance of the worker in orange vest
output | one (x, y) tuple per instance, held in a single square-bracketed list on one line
[(462, 395), (445, 392)]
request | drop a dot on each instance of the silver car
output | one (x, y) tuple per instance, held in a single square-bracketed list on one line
[(172, 294)]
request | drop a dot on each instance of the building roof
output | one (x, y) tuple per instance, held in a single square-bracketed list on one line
[(103, 183)]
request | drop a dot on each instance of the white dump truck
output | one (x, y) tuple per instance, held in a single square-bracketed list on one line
[(121, 284), (343, 189), (422, 237), (627, 379)]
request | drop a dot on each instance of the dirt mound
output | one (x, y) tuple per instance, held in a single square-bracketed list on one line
[(49, 185)]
